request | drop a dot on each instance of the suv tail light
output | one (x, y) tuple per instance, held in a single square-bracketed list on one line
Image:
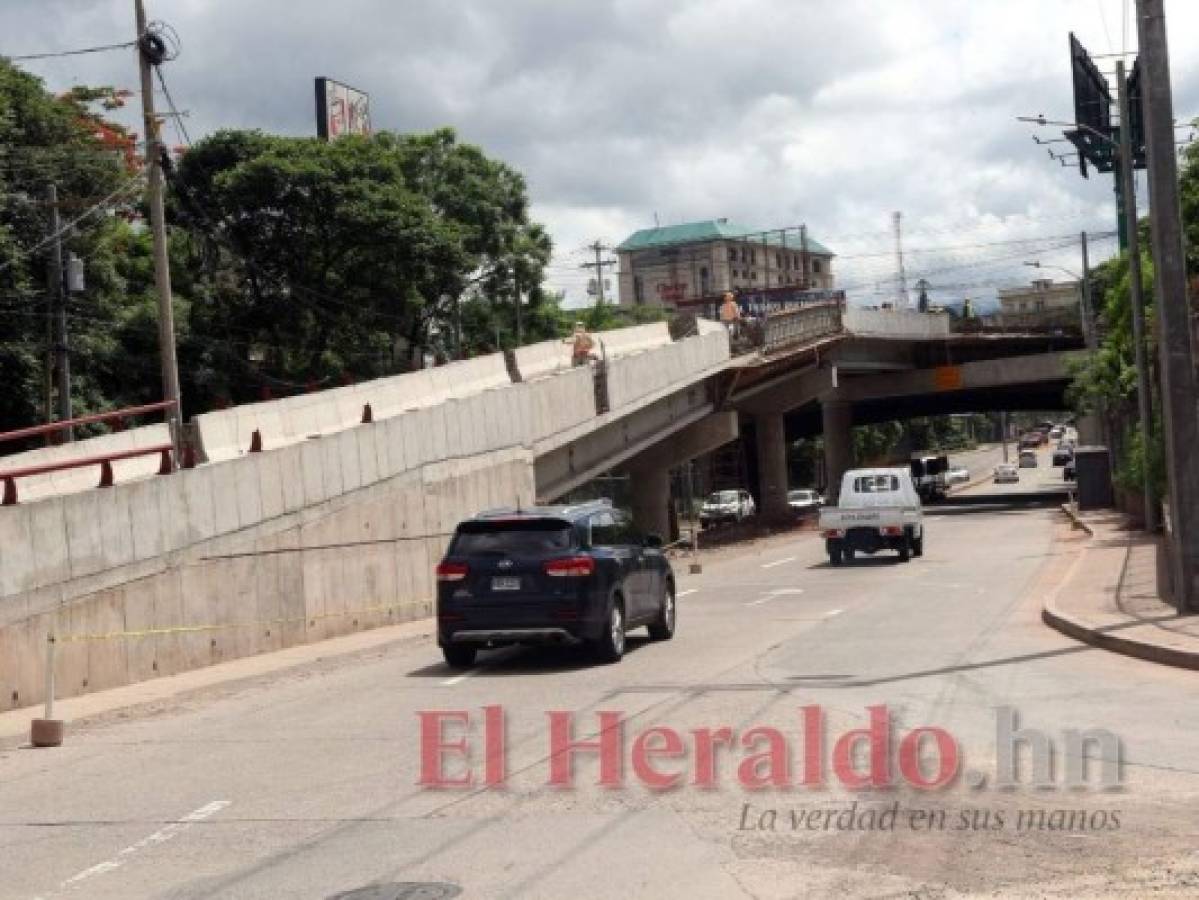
[(570, 567), (892, 531), (449, 571), (834, 533)]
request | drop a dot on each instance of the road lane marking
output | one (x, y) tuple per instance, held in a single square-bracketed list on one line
[(774, 595), (686, 592), (833, 612), (159, 837), (450, 682), (778, 562)]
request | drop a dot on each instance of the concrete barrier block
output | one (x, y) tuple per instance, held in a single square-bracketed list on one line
[(291, 474), (347, 451), (393, 432), (331, 465), (247, 480), (174, 520), (225, 502), (83, 533), (383, 454), (17, 566), (312, 463), (368, 459), (270, 482), (107, 658), (145, 515)]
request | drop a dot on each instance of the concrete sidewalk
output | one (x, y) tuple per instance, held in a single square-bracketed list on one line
[(1111, 601)]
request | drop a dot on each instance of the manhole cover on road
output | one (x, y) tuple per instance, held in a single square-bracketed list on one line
[(408, 890)]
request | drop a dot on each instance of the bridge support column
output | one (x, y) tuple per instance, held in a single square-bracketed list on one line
[(649, 496), (771, 438), (837, 418)]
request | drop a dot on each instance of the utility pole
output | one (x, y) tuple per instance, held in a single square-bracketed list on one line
[(162, 266), (58, 357), (1144, 396), (1176, 351), (1090, 333), (600, 263)]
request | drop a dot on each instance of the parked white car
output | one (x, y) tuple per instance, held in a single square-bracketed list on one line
[(1006, 473), (878, 509), (802, 501), (726, 506)]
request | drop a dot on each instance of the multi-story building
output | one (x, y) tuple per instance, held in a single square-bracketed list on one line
[(698, 260), (1044, 297)]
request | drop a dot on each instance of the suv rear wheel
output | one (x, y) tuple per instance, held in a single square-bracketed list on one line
[(609, 647), (459, 656), (662, 628)]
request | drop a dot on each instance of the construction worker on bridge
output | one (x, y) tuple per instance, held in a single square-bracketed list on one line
[(581, 351), (730, 313)]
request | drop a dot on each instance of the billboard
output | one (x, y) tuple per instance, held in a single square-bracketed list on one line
[(341, 109), (1092, 111)]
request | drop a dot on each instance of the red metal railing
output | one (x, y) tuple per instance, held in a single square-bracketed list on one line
[(103, 460), (55, 427)]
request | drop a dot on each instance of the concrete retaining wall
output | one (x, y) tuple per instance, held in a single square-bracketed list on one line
[(359, 559), (72, 480), (632, 378), (549, 357), (895, 323)]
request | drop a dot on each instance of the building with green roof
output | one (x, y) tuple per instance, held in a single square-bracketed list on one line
[(696, 260)]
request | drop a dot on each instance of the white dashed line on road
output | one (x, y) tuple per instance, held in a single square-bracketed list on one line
[(778, 562), (159, 837), (774, 595), (833, 612), (686, 592), (450, 682)]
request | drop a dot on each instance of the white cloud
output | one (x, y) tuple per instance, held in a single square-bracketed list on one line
[(769, 112)]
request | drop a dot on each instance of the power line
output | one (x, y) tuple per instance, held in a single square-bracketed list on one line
[(53, 54), (124, 188), (175, 114)]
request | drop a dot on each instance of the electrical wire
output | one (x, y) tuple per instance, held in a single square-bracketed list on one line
[(101, 204), (175, 114), (54, 54)]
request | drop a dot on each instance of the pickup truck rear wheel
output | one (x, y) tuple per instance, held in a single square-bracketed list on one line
[(905, 549), (918, 546), (834, 555)]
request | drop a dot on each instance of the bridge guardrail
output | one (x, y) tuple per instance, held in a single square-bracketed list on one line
[(798, 326)]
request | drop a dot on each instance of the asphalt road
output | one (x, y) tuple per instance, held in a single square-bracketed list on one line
[(304, 784)]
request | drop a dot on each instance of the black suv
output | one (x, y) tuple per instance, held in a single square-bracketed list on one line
[(551, 574)]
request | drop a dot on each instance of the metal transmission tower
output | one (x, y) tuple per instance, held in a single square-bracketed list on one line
[(902, 301)]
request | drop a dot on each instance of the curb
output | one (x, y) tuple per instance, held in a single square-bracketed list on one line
[(1167, 656), (1076, 520)]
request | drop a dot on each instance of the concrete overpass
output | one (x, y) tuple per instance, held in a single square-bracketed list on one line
[(325, 513)]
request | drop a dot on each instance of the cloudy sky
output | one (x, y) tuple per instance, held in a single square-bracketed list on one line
[(833, 113)]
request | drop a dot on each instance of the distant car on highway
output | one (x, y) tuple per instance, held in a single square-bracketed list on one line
[(1056, 432), (1068, 470), (726, 506), (957, 475), (1062, 454), (1028, 459), (551, 575), (1006, 473), (802, 501), (1031, 439)]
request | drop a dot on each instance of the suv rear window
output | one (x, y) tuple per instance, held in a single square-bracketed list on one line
[(512, 536)]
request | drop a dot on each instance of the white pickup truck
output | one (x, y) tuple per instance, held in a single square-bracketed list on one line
[(878, 509)]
